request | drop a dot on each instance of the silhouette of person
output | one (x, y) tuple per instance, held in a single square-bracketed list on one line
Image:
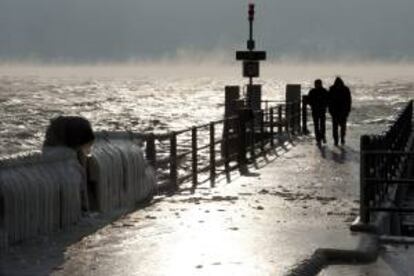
[(76, 133), (318, 100), (340, 102)]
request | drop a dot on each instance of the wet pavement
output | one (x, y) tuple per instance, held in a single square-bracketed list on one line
[(299, 198)]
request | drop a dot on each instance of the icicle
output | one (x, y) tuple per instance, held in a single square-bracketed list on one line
[(39, 193), (122, 175)]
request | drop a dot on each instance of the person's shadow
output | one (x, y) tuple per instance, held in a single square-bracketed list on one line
[(322, 149), (339, 157)]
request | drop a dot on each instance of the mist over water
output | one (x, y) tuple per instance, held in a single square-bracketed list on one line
[(118, 31)]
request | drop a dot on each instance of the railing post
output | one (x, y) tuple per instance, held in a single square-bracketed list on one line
[(411, 116), (271, 121), (173, 160), (373, 191), (253, 138), (262, 132), (212, 155), (298, 116), (305, 130), (279, 123), (244, 115), (226, 151), (150, 150), (364, 189), (194, 149), (287, 118)]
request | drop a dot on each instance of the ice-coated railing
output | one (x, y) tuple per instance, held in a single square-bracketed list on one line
[(40, 192), (119, 171)]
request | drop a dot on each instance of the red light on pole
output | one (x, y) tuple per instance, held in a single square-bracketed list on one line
[(251, 11)]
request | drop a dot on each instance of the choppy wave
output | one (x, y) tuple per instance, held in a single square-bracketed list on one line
[(157, 104)]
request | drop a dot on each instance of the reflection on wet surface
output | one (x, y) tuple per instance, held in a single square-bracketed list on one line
[(256, 225)]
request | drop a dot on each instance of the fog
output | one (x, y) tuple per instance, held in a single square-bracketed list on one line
[(137, 30)]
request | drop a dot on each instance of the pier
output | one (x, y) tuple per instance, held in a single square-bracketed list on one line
[(244, 227), (247, 194)]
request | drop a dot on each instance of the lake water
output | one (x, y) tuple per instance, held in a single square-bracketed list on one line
[(161, 97)]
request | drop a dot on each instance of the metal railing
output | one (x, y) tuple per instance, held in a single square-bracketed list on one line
[(207, 150), (383, 166), (201, 153)]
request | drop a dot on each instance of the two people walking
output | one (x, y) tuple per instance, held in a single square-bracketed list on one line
[(338, 101)]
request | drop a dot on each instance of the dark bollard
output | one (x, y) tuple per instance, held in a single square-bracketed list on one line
[(293, 98), (305, 130), (150, 150), (245, 115), (232, 94)]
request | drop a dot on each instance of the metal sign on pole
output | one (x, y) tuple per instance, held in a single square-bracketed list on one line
[(251, 64), (251, 57)]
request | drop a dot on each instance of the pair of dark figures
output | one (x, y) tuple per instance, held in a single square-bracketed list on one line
[(338, 101)]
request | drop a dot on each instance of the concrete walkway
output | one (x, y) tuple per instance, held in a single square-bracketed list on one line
[(300, 198)]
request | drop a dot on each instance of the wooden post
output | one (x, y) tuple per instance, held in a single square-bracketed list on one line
[(271, 122), (364, 189), (173, 161), (305, 130), (232, 94), (150, 150), (293, 97), (194, 157), (212, 155)]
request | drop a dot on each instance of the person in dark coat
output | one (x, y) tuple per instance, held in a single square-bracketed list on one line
[(318, 100), (340, 102)]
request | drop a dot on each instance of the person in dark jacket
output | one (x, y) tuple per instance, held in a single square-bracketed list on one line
[(318, 100), (340, 103)]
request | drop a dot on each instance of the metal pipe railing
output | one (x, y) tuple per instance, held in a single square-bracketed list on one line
[(383, 161), (240, 137)]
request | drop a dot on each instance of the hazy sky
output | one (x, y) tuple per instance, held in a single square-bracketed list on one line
[(121, 30)]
